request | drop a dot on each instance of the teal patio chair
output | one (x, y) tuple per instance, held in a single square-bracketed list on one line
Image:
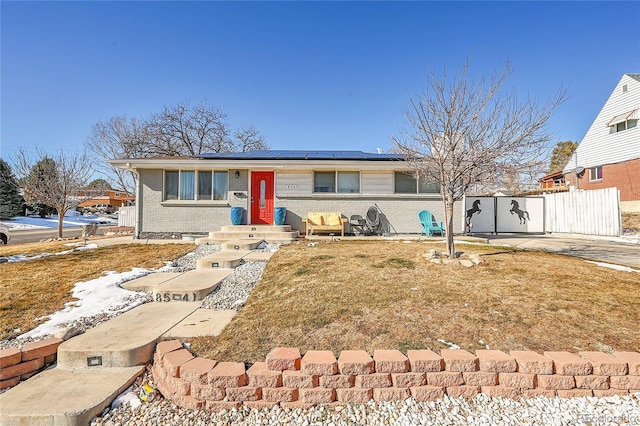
[(429, 224)]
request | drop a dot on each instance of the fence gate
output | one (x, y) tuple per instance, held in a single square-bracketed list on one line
[(504, 214), (594, 212)]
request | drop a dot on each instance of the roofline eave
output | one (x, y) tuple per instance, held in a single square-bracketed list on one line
[(202, 164)]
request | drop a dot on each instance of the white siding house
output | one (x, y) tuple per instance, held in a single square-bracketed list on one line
[(609, 153)]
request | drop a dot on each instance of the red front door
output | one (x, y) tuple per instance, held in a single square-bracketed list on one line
[(262, 198)]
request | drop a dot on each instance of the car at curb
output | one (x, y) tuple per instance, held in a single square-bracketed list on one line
[(5, 234), (99, 208)]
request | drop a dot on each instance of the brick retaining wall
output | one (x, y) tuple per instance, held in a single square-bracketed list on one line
[(290, 380), (20, 364)]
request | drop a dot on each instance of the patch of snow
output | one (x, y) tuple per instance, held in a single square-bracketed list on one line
[(97, 296), (450, 344), (22, 258), (22, 223), (612, 266)]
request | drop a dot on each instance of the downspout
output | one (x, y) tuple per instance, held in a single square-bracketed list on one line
[(138, 206), (136, 231)]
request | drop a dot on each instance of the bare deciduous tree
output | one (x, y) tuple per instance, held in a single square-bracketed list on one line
[(58, 181), (177, 130), (183, 130), (247, 138), (118, 137), (467, 133)]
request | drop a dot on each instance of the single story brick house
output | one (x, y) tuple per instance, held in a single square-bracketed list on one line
[(194, 195)]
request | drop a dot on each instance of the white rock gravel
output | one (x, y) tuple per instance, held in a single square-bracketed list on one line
[(448, 411), (234, 290)]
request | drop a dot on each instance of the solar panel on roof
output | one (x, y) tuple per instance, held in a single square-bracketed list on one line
[(300, 155)]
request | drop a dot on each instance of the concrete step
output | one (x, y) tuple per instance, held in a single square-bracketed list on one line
[(204, 241), (222, 259), (203, 322), (255, 228), (242, 244), (192, 286), (268, 236), (148, 282), (64, 397), (125, 341), (258, 256)]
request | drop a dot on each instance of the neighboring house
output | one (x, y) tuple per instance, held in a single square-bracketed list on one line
[(609, 154), (553, 182), (194, 195), (504, 193), (116, 198)]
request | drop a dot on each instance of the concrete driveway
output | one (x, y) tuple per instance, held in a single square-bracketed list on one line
[(620, 251)]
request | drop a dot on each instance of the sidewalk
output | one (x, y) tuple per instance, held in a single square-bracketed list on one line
[(614, 250)]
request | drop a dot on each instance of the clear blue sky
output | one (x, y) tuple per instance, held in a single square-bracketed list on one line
[(325, 75)]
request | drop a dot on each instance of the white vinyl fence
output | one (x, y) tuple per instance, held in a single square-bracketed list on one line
[(595, 212), (127, 216)]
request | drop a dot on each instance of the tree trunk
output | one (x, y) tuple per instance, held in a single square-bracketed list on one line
[(61, 212), (448, 212), (60, 220)]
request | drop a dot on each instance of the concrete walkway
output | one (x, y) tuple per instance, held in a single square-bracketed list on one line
[(619, 251), (93, 368)]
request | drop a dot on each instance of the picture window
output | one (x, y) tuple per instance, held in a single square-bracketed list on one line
[(192, 185)]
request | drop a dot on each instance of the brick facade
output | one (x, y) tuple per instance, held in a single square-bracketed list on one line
[(625, 176)]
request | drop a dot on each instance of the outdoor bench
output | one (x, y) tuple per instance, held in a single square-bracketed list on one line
[(325, 222)]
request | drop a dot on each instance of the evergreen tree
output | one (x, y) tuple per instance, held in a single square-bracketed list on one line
[(39, 178), (11, 202), (561, 155)]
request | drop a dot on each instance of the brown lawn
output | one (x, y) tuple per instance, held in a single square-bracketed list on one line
[(385, 295), (631, 222), (35, 288)]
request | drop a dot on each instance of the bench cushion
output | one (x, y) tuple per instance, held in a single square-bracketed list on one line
[(333, 220), (316, 219)]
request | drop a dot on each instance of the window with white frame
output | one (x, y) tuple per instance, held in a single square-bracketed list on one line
[(336, 182), (623, 122), (595, 173), (195, 185), (406, 183), (625, 125)]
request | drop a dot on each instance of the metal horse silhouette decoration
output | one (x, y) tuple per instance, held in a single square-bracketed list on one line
[(472, 210), (522, 214)]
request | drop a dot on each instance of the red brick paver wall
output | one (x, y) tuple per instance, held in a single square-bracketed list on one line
[(291, 380), (21, 364)]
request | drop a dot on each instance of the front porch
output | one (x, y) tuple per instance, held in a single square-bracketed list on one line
[(277, 234)]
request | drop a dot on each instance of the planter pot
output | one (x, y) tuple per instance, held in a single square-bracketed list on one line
[(279, 215), (236, 215)]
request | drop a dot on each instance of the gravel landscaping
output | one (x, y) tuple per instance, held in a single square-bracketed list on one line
[(481, 410)]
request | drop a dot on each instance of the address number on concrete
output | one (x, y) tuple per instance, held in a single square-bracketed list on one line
[(168, 297)]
